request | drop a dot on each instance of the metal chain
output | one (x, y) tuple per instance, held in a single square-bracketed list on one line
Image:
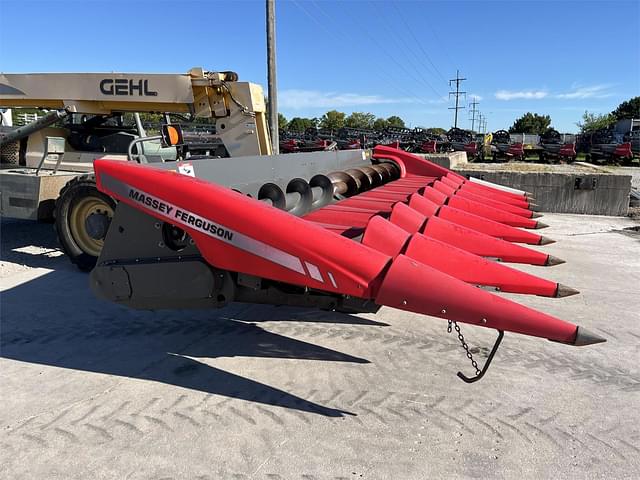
[(464, 345)]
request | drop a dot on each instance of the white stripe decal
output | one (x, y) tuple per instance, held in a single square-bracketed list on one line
[(191, 220), (333, 280), (314, 272)]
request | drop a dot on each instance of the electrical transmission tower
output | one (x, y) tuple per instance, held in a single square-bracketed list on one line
[(457, 94), (474, 110), (483, 124)]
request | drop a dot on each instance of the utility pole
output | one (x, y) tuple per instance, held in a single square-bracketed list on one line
[(271, 76), (474, 110), (457, 94)]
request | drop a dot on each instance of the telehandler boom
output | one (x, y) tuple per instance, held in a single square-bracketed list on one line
[(47, 166)]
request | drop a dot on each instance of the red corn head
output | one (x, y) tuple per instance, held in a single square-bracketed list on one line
[(423, 205), (444, 188), (506, 197), (495, 214), (393, 240), (475, 222), (411, 285), (407, 218), (354, 217), (435, 196), (368, 204), (478, 270), (523, 212), (489, 187), (385, 237), (450, 183), (240, 234), (485, 245), (491, 227)]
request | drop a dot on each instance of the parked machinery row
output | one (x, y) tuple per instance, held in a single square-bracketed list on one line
[(605, 145), (415, 140), (600, 146)]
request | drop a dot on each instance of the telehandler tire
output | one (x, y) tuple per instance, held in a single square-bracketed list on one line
[(82, 217)]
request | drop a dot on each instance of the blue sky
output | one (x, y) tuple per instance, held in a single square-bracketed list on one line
[(390, 58)]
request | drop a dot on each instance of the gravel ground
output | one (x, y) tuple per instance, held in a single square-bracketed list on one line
[(93, 390)]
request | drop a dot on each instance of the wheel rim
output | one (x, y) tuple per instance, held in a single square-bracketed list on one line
[(77, 223)]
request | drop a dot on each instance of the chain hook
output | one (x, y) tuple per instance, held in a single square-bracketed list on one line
[(479, 373)]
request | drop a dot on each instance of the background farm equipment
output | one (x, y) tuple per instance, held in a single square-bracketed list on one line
[(466, 141), (553, 147), (310, 141), (503, 148), (607, 146), (634, 139)]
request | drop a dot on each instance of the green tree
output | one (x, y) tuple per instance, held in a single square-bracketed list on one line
[(380, 124), (436, 131), (628, 109), (531, 123), (299, 124), (332, 120), (360, 120), (595, 121), (395, 121), (282, 122)]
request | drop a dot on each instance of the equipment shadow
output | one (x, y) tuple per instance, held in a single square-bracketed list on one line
[(30, 243), (55, 320)]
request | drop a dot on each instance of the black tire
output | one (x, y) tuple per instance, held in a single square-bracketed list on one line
[(78, 198)]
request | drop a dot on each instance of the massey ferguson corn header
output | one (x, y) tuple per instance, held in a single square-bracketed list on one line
[(329, 230), (348, 231)]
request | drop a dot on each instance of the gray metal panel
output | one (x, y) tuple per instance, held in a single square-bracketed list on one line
[(525, 138), (248, 174), (24, 194)]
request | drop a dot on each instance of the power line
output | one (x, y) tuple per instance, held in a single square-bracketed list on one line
[(474, 110), (384, 78), (439, 42), (483, 124), (418, 42), (374, 40), (457, 94), (407, 48)]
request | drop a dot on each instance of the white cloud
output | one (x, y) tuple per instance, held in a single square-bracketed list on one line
[(521, 95), (576, 92), (594, 91), (300, 99), (477, 98)]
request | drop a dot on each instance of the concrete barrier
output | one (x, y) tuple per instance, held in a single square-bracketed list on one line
[(449, 160), (561, 188)]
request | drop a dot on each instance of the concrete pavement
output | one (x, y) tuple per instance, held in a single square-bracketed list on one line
[(92, 390)]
